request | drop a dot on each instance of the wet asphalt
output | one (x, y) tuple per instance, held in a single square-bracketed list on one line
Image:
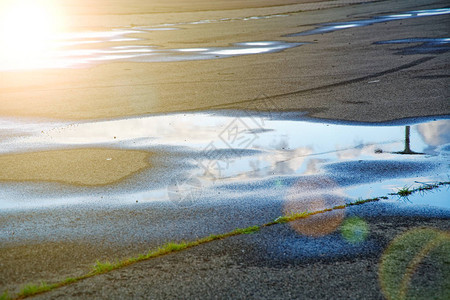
[(278, 262)]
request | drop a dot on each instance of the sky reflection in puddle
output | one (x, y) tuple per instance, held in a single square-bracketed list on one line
[(62, 49), (426, 45), (331, 27), (74, 58), (63, 52), (226, 158)]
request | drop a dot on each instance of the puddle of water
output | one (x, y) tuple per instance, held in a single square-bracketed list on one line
[(213, 157), (63, 53), (64, 57), (331, 27), (427, 45), (219, 21), (438, 197)]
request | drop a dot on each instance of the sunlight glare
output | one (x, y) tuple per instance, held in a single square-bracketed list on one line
[(28, 29)]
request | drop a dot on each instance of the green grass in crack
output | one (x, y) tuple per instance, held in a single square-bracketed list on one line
[(104, 267), (101, 268), (290, 217), (5, 296), (32, 289), (404, 191), (248, 230)]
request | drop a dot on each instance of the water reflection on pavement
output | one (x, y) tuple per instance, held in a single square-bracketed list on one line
[(239, 155)]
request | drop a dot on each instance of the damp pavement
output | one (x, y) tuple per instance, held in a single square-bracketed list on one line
[(279, 263), (214, 171)]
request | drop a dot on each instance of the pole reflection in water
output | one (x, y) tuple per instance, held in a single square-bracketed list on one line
[(310, 164), (407, 149)]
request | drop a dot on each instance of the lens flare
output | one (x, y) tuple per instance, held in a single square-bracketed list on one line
[(354, 230), (415, 265), (305, 196), (28, 29)]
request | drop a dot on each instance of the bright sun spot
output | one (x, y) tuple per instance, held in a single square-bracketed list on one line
[(28, 29)]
